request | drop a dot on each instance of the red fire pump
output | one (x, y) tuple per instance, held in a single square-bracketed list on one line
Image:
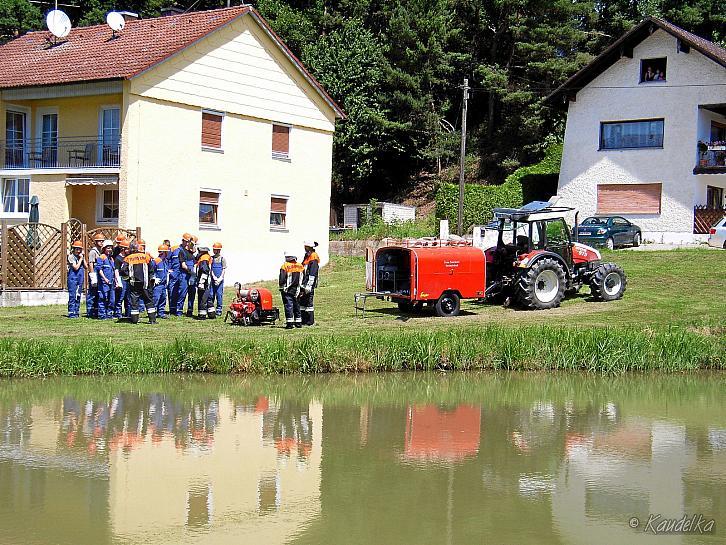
[(252, 306)]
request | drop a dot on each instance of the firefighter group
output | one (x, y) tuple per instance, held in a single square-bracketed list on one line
[(123, 280)]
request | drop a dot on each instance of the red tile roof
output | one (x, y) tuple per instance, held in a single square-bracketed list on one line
[(93, 54)]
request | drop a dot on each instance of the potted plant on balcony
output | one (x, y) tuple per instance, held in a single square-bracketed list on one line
[(702, 151)]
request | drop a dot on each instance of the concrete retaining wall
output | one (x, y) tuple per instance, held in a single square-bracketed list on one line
[(34, 298)]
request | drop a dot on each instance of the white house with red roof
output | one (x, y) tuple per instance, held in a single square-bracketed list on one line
[(202, 122), (646, 133)]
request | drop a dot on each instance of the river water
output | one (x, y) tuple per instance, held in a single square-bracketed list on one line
[(375, 459)]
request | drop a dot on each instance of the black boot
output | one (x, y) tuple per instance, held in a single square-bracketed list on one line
[(134, 318), (289, 325), (152, 317)]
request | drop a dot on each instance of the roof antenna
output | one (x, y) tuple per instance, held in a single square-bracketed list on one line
[(58, 23), (116, 21)]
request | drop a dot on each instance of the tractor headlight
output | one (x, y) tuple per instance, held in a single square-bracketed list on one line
[(601, 231)]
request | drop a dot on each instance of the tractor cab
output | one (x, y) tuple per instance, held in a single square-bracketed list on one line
[(536, 261)]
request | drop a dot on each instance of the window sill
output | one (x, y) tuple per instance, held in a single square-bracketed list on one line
[(209, 227), (275, 229), (653, 82), (212, 150), (14, 216), (632, 149), (284, 157), (111, 223)]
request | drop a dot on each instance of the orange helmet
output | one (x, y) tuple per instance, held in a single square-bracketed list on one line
[(217, 246), (120, 238), (141, 243), (124, 243), (195, 239), (77, 244), (98, 236), (186, 237), (163, 248)]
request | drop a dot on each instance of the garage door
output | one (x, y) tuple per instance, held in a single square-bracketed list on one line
[(628, 198)]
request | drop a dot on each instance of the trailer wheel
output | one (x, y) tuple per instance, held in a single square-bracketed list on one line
[(448, 305), (542, 286), (608, 282)]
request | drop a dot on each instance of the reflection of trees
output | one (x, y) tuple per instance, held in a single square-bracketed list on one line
[(16, 423), (128, 418)]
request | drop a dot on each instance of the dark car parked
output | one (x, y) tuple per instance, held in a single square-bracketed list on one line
[(608, 231)]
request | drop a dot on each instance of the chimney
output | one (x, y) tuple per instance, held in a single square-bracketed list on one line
[(171, 10), (130, 15)]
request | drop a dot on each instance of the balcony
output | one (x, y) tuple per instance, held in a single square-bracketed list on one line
[(64, 154)]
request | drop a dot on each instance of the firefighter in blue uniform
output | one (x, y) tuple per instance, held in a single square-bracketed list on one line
[(140, 269), (203, 283), (160, 284), (174, 275), (219, 266), (192, 292), (92, 293), (289, 282), (76, 273), (121, 294), (311, 265), (106, 283), (186, 273)]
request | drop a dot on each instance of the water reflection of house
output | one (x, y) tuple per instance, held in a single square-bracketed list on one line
[(639, 468), (179, 495), (433, 434)]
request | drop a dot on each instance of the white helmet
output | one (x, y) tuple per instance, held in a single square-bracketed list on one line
[(289, 253), (107, 243), (310, 244)]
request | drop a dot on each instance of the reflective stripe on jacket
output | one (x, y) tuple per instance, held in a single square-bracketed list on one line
[(290, 277), (311, 263)]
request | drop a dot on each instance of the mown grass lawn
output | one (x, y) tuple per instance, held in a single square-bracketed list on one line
[(684, 288), (673, 317)]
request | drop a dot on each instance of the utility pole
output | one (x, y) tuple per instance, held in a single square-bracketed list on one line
[(460, 222)]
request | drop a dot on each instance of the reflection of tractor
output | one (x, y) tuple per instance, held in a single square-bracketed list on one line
[(536, 262), (252, 306)]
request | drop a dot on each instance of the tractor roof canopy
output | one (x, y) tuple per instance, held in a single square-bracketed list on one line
[(536, 210)]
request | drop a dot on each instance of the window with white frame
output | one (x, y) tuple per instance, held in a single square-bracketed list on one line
[(16, 195), (208, 208), (107, 205), (212, 130), (280, 141), (278, 212)]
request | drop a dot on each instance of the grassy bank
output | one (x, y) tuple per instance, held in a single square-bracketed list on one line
[(672, 318)]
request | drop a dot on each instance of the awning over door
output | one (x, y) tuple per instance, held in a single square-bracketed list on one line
[(93, 180)]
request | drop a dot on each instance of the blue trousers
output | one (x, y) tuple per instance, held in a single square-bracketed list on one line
[(106, 301), (75, 286), (121, 295), (217, 295), (182, 287), (92, 302), (172, 292), (160, 300)]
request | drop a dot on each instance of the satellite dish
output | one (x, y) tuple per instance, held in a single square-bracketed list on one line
[(58, 23), (115, 20)]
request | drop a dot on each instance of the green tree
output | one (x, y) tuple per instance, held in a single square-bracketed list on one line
[(18, 17)]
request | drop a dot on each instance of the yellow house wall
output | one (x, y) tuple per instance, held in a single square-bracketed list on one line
[(54, 198)]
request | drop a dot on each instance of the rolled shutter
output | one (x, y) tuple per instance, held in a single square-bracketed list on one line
[(278, 205), (208, 197), (629, 198), (211, 130), (280, 139)]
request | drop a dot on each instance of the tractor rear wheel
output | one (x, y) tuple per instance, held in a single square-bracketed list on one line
[(448, 305), (608, 282), (542, 286)]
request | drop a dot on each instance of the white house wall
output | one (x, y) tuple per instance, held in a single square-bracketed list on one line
[(616, 95), (398, 212)]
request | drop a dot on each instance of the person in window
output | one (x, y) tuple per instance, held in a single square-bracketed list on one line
[(649, 74), (76, 272), (659, 76)]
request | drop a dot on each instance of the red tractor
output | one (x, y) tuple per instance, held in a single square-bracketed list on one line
[(535, 262)]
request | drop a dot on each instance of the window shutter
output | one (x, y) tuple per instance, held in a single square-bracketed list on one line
[(211, 130), (278, 205), (208, 197), (628, 198), (280, 139)]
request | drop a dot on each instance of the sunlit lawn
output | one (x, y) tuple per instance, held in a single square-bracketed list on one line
[(684, 288)]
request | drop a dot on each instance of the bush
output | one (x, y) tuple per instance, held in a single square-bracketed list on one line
[(480, 200), (376, 229)]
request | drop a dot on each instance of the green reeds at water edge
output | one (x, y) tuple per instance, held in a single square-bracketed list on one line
[(596, 350)]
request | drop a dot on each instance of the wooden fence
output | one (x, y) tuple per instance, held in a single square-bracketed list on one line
[(33, 255), (704, 218)]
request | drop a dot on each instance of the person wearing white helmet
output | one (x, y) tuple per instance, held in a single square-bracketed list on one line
[(311, 265), (106, 282), (289, 282)]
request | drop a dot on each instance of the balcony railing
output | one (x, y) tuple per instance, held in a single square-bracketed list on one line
[(711, 158), (59, 153)]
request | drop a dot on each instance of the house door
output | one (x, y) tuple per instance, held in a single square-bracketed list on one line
[(15, 124), (109, 151), (714, 197), (48, 139)]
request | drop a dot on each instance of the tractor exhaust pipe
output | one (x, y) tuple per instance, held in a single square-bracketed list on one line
[(577, 223)]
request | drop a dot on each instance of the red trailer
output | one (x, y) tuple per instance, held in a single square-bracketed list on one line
[(438, 276)]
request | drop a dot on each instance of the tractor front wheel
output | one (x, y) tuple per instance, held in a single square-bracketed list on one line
[(448, 305), (608, 282), (542, 286)]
